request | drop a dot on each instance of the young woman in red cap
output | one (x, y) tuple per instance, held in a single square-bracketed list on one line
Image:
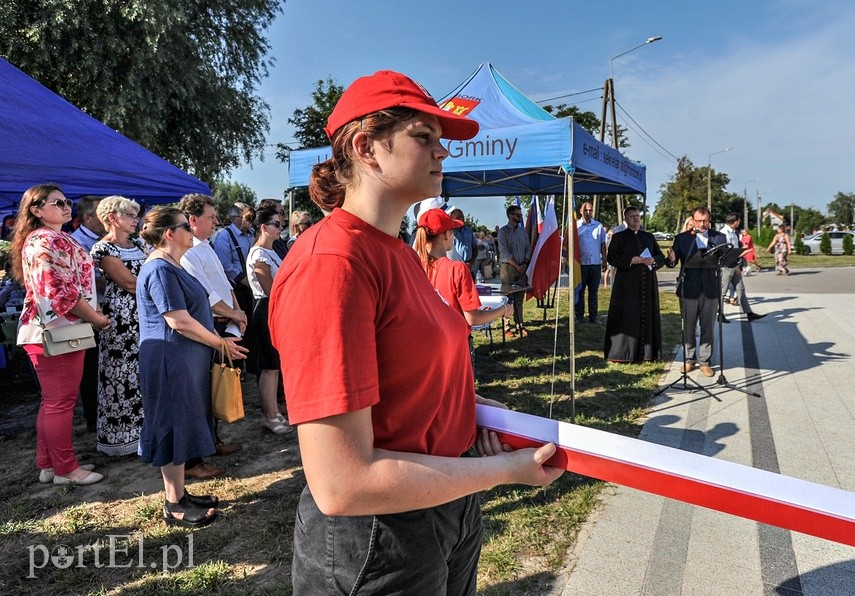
[(390, 505), (452, 279)]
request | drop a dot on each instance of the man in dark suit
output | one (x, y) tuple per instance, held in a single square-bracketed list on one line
[(699, 289)]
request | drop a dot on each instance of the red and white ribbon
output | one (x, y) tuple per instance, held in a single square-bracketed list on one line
[(725, 486)]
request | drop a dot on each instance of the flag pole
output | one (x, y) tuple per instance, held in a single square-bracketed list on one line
[(571, 260)]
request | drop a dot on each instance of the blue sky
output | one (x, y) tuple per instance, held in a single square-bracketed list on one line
[(775, 80)]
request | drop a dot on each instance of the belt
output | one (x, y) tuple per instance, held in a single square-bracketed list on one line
[(221, 319)]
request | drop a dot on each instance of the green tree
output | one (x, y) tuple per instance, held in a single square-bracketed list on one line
[(808, 220), (685, 190), (842, 208), (227, 194), (309, 125), (177, 77), (847, 244), (587, 120), (825, 244), (798, 244)]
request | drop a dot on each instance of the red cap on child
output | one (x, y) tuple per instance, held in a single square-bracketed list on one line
[(437, 221)]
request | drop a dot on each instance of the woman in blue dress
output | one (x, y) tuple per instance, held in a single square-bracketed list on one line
[(176, 342)]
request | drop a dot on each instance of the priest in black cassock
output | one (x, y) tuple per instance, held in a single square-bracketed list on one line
[(634, 329)]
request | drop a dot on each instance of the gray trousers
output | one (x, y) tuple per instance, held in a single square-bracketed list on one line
[(699, 310), (731, 273), (431, 551)]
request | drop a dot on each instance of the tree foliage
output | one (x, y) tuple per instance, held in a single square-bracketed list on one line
[(825, 244), (842, 208), (848, 247), (309, 123), (687, 189), (808, 219), (177, 77), (227, 194)]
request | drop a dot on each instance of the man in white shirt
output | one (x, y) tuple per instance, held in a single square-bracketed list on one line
[(592, 254), (229, 320), (87, 234), (734, 274)]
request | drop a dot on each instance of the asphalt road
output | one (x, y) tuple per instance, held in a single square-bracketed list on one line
[(830, 280)]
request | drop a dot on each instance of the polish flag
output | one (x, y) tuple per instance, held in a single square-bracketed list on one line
[(534, 223), (546, 260)]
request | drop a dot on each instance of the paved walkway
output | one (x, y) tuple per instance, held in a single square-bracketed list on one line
[(800, 360)]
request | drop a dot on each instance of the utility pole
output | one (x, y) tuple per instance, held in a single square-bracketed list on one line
[(759, 216), (609, 104), (609, 107)]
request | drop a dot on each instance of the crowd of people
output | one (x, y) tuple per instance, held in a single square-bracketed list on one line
[(160, 300), (387, 435)]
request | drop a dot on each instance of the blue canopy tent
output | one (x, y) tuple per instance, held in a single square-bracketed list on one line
[(520, 149), (43, 138)]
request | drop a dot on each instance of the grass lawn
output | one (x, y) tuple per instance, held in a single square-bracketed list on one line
[(248, 550)]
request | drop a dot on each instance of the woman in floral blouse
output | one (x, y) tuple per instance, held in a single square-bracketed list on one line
[(59, 282)]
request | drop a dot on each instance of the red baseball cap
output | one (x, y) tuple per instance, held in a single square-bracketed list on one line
[(389, 89), (437, 221)]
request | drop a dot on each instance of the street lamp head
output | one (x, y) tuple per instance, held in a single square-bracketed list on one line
[(645, 42)]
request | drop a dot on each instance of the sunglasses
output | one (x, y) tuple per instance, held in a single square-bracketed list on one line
[(184, 226), (61, 203), (305, 223), (277, 224)]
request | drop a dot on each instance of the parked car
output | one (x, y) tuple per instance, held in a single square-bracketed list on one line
[(663, 236), (812, 243)]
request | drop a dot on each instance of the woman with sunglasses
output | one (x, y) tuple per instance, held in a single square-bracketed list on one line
[(377, 375), (177, 340), (262, 263), (59, 281), (119, 256)]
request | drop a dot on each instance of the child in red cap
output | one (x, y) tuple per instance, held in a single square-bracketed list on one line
[(390, 505)]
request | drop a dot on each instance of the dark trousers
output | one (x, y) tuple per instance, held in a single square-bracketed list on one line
[(246, 303), (427, 551), (89, 386), (509, 276), (591, 276), (699, 310)]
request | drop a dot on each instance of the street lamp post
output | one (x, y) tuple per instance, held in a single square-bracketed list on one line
[(745, 202), (609, 105), (709, 179)]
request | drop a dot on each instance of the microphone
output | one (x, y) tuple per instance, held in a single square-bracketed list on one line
[(693, 231)]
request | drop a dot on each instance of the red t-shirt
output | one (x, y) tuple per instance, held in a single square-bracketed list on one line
[(357, 324), (454, 283)]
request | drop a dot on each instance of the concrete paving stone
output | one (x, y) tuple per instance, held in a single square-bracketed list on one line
[(724, 538), (721, 580), (815, 553)]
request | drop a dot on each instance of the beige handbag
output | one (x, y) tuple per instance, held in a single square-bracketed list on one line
[(226, 393), (71, 338)]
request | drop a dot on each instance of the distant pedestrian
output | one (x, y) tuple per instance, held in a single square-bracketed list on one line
[(781, 242), (750, 255)]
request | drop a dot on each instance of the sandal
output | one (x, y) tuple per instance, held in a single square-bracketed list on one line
[(277, 426), (194, 515), (204, 501)]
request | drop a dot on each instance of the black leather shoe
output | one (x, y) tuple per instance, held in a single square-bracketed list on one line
[(753, 316), (723, 320)]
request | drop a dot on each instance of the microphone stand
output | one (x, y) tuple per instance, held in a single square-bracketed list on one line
[(726, 258), (684, 376)]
